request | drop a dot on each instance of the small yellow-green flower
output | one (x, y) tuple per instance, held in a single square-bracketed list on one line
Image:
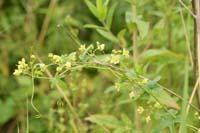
[(17, 72), (114, 51), (82, 48), (107, 59), (73, 57), (125, 53), (58, 69), (68, 65), (56, 58), (118, 86), (157, 105), (61, 111), (42, 66), (140, 110), (100, 47), (62, 120), (33, 56), (144, 81), (148, 102), (148, 118), (196, 114), (20, 67), (50, 55), (22, 64), (97, 42), (131, 94), (114, 59)]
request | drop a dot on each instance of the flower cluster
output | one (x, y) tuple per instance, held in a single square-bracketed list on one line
[(131, 94), (113, 58), (55, 58), (85, 55), (197, 115), (157, 105), (125, 53), (140, 110), (116, 56), (118, 86), (21, 67), (82, 48), (100, 47), (64, 61), (148, 118), (42, 67)]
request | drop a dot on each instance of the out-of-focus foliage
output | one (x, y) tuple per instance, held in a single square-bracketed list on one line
[(162, 52)]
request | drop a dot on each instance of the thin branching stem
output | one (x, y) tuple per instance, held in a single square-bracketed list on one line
[(187, 39), (190, 12)]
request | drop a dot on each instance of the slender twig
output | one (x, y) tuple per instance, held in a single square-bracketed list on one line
[(40, 40), (46, 22), (187, 39), (60, 90), (178, 96), (196, 68), (193, 127), (32, 95), (192, 95), (135, 37), (197, 4), (27, 117), (181, 2)]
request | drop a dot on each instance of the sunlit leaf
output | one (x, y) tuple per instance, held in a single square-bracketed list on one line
[(107, 35), (92, 8), (110, 15), (104, 120), (92, 26)]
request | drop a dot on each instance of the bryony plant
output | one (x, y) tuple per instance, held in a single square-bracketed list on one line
[(149, 97), (148, 94)]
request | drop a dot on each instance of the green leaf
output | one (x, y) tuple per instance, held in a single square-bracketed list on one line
[(106, 2), (7, 110), (99, 4), (92, 8), (165, 122), (126, 120), (82, 57), (72, 21), (129, 1), (110, 15), (130, 18), (183, 127), (131, 74), (121, 33), (58, 81), (143, 28), (164, 98), (92, 26), (104, 120), (110, 89), (102, 10), (24, 81), (141, 25), (107, 35), (161, 55), (153, 83), (160, 24)]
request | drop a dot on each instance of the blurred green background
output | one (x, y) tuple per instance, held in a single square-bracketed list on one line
[(45, 25)]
